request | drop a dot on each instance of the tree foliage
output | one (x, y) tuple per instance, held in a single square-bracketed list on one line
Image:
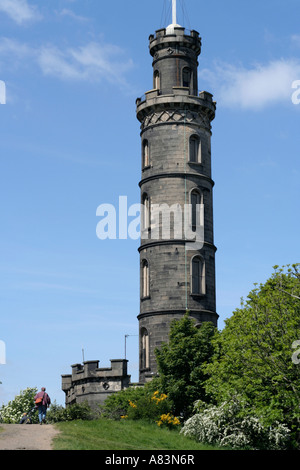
[(253, 354), (180, 363), (15, 409)]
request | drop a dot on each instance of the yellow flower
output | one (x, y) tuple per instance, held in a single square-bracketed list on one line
[(133, 405), (157, 399), (124, 416), (168, 419)]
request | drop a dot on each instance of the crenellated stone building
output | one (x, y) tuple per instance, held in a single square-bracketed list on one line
[(89, 383)]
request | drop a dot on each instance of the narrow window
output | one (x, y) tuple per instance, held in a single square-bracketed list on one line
[(195, 203), (156, 81), (146, 213), (186, 77), (145, 153), (195, 149), (145, 279), (145, 359), (198, 276)]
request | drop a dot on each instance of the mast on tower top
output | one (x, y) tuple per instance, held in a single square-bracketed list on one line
[(174, 12), (170, 28)]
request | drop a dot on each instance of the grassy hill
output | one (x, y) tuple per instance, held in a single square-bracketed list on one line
[(104, 434)]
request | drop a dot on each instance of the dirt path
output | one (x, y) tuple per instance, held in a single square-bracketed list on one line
[(26, 436)]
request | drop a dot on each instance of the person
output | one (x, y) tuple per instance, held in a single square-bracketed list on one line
[(42, 405), (25, 419)]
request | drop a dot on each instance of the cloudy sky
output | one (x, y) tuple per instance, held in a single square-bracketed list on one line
[(70, 73)]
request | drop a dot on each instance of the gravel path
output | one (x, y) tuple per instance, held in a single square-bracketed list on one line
[(26, 436)]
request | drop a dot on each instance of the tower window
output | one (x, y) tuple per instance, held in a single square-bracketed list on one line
[(145, 356), (156, 80), (146, 216), (196, 200), (198, 276), (145, 154), (145, 279), (186, 77), (195, 149)]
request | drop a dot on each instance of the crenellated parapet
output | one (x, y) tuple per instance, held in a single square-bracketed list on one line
[(90, 383)]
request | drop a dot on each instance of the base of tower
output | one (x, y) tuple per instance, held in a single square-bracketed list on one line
[(154, 329)]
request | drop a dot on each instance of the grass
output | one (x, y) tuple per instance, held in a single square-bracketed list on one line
[(105, 434)]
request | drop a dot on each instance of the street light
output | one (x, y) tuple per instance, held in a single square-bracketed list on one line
[(126, 336)]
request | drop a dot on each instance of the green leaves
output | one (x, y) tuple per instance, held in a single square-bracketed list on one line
[(22, 403), (180, 363), (253, 354)]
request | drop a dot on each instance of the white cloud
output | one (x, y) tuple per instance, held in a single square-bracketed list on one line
[(296, 40), (54, 62), (91, 62), (12, 48), (72, 15), (19, 10), (255, 88)]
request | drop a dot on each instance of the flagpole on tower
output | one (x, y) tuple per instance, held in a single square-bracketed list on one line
[(174, 12)]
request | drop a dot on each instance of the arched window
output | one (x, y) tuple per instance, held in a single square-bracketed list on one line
[(156, 80), (195, 149), (186, 77), (146, 215), (145, 285), (196, 200), (145, 356), (197, 275), (145, 153)]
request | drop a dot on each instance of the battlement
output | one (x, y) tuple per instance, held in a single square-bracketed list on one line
[(157, 101), (174, 34), (88, 382)]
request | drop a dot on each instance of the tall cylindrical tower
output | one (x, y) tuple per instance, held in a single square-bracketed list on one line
[(177, 252)]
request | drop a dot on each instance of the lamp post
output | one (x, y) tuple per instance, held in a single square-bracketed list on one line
[(126, 336)]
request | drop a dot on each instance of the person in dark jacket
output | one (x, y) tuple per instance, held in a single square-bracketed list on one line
[(42, 401)]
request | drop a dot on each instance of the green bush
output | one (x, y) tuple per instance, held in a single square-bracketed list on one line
[(117, 404), (15, 409), (149, 407), (140, 403), (58, 413)]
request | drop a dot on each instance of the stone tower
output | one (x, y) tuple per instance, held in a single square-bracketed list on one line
[(177, 252)]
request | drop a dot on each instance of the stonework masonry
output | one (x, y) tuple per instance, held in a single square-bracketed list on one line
[(175, 274), (91, 384), (175, 122)]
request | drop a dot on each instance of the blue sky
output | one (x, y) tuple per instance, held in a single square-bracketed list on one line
[(69, 142)]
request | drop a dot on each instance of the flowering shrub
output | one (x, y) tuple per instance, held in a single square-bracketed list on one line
[(140, 403), (224, 427), (158, 398), (155, 408), (117, 404), (168, 420), (22, 403), (133, 405), (149, 406)]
